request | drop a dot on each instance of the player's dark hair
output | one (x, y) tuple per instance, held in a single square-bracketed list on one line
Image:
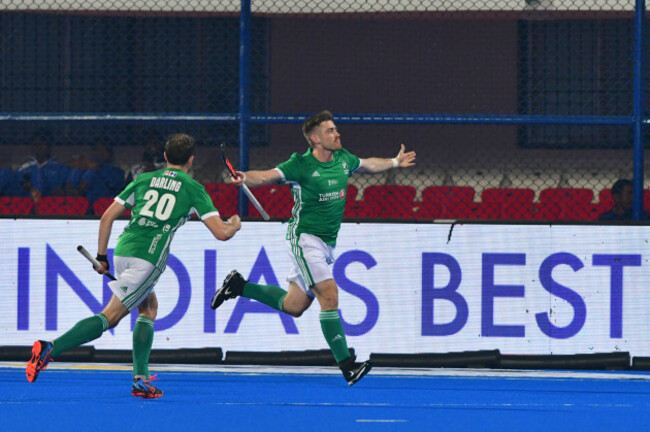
[(179, 148), (313, 122), (618, 187)]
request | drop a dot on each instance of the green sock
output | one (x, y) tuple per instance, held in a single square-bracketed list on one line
[(330, 323), (142, 341), (84, 331), (270, 295)]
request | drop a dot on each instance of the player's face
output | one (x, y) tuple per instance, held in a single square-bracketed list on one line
[(329, 136)]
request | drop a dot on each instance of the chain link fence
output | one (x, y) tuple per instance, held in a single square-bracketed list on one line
[(450, 80)]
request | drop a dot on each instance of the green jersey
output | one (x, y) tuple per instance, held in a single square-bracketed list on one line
[(160, 202), (319, 190)]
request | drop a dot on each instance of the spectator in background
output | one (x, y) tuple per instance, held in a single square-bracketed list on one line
[(7, 182), (152, 158), (623, 196), (97, 176), (42, 175)]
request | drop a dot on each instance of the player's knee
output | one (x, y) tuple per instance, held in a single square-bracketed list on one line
[(149, 307), (293, 309), (149, 312)]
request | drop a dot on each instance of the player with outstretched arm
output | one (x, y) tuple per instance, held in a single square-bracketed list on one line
[(160, 201), (318, 180)]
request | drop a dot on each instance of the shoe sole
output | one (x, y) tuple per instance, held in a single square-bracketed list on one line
[(146, 395), (34, 365)]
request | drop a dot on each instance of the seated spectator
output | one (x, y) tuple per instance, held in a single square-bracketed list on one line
[(77, 165), (152, 158), (42, 174), (7, 182), (97, 176), (623, 196)]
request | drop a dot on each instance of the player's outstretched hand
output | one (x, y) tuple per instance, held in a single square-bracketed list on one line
[(241, 177), (405, 160)]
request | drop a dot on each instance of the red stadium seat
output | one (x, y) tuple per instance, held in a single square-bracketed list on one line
[(209, 187), (16, 205), (387, 201), (276, 200), (567, 204), (448, 202), (62, 205), (605, 201), (351, 203), (101, 204), (508, 203), (225, 197)]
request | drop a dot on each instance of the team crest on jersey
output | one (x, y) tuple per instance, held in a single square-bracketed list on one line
[(170, 173)]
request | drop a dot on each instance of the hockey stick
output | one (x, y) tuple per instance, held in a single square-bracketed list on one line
[(247, 191), (82, 250)]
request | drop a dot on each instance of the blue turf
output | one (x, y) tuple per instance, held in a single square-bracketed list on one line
[(65, 400)]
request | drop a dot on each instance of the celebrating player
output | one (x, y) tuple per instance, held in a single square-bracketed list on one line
[(318, 180), (161, 201)]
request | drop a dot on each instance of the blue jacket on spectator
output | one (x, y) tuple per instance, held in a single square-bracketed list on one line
[(45, 179)]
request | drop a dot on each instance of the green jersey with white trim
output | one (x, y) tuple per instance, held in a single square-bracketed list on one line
[(319, 191), (160, 202)]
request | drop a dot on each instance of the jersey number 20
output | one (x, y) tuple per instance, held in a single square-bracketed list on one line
[(164, 205)]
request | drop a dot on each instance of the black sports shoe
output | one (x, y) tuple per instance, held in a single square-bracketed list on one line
[(233, 286), (353, 371)]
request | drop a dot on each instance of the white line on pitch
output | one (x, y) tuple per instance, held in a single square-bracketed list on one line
[(381, 421)]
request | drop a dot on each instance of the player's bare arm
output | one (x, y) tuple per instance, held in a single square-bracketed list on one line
[(105, 227), (256, 178), (223, 230), (376, 165)]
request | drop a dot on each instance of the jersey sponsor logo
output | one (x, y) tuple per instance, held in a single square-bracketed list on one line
[(148, 223), (154, 243), (124, 288), (165, 183), (329, 196), (315, 174), (170, 173), (342, 194)]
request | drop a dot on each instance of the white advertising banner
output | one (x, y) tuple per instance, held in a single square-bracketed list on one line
[(404, 288)]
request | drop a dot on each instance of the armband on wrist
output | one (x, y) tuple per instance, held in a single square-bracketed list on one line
[(395, 162), (103, 258)]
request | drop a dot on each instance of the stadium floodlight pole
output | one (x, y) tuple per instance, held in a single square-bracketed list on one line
[(244, 95), (639, 31)]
